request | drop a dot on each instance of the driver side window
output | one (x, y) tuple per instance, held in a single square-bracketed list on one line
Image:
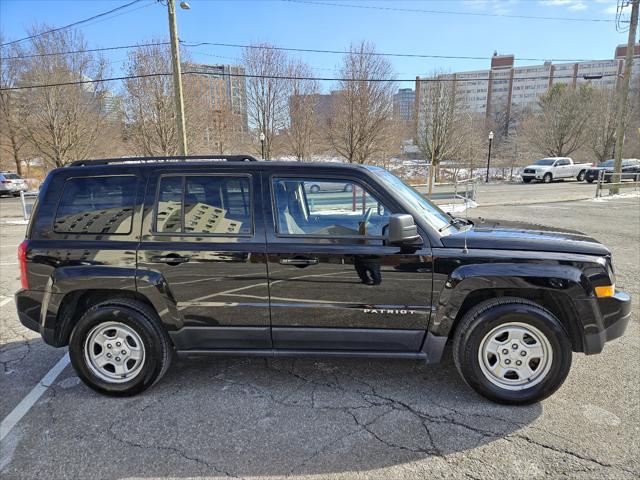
[(327, 208)]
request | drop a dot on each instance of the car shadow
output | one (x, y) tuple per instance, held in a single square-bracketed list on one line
[(267, 417)]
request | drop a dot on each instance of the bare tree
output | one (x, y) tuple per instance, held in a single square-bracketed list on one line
[(302, 135), (149, 108), (601, 138), (12, 137), (266, 96), (62, 122), (440, 122), (363, 107), (560, 128)]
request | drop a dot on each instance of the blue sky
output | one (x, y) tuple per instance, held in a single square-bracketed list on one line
[(324, 26)]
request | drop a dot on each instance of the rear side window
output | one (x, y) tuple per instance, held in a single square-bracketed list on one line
[(204, 205), (96, 205)]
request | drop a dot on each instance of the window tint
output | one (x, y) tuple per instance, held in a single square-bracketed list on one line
[(331, 208), (96, 205), (212, 205)]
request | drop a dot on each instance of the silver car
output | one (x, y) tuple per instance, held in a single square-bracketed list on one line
[(12, 184)]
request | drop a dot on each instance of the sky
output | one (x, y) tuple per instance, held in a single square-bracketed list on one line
[(393, 26)]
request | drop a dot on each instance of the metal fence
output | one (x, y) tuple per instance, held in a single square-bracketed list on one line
[(616, 181)]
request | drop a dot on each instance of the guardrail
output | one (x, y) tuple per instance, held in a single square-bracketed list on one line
[(606, 181)]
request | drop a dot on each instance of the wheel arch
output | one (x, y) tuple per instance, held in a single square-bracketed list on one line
[(553, 287)]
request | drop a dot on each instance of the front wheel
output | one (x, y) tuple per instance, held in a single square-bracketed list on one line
[(547, 178), (526, 180), (118, 347), (512, 351)]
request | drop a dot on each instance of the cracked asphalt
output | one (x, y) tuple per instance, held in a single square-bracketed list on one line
[(332, 418)]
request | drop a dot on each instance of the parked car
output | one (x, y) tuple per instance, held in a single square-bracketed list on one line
[(129, 261), (630, 171), (12, 184), (554, 168), (327, 186)]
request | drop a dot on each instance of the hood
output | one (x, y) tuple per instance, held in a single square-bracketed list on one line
[(505, 235), (601, 168)]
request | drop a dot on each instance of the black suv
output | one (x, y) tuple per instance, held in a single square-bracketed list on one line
[(129, 261)]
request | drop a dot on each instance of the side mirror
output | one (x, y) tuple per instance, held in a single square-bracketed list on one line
[(403, 230)]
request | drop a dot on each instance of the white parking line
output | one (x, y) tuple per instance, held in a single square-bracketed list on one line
[(8, 263), (29, 401), (3, 302)]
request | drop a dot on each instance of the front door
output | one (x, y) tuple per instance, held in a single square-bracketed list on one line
[(334, 283), (206, 241)]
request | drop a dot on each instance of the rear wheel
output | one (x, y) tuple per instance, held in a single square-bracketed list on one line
[(119, 347), (581, 175), (526, 180), (547, 178), (512, 350)]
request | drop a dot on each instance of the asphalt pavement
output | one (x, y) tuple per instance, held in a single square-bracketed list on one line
[(332, 418)]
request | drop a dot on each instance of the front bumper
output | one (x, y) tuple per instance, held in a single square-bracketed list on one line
[(533, 176), (612, 316)]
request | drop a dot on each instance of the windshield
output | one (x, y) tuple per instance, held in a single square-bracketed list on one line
[(545, 161), (608, 163), (427, 210), (11, 176)]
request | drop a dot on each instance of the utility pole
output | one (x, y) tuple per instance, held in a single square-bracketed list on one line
[(623, 96), (177, 77)]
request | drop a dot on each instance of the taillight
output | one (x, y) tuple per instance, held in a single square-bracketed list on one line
[(22, 260)]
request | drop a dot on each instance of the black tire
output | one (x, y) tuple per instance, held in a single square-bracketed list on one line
[(581, 176), (591, 180), (314, 189), (144, 321), (547, 178), (526, 180), (483, 319)]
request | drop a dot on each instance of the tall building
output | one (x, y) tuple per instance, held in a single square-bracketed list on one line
[(220, 87), (403, 104), (504, 89)]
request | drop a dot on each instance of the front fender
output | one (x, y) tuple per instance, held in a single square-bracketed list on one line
[(464, 280)]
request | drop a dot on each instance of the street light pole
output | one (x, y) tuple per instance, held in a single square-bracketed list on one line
[(177, 76), (262, 139), (489, 157)]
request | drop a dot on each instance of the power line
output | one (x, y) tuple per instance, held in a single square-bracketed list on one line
[(88, 50), (449, 12), (79, 22), (291, 49), (279, 77), (379, 54)]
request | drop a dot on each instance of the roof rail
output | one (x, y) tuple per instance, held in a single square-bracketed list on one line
[(164, 159)]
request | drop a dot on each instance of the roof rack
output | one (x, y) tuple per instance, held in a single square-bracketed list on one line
[(165, 159)]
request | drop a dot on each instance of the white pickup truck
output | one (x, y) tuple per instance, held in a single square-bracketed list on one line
[(553, 168)]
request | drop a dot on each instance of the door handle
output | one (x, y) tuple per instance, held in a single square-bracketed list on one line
[(299, 262), (171, 259)]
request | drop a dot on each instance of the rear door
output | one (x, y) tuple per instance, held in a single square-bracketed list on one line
[(206, 240), (334, 283)]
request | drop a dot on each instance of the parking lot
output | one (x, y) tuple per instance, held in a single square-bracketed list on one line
[(335, 418)]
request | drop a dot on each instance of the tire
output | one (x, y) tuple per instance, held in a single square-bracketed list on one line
[(511, 314), (591, 180), (526, 180), (314, 189), (547, 178), (581, 176), (130, 322)]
